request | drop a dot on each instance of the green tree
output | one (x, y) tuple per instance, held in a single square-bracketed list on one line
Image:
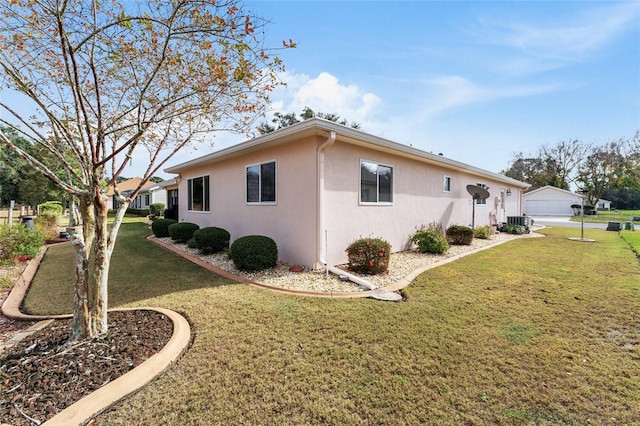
[(107, 79), (280, 120), (555, 165), (12, 168)]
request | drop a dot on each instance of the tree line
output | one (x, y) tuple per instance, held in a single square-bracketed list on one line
[(609, 171)]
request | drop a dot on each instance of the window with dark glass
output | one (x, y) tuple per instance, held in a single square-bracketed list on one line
[(261, 183), (446, 183), (479, 201), (198, 194), (376, 183)]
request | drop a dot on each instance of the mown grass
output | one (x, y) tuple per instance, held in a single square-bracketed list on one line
[(633, 239), (535, 331), (609, 216)]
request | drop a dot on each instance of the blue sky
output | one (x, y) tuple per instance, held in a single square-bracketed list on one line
[(476, 81)]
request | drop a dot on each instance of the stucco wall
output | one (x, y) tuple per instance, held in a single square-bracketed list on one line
[(418, 199), (291, 222)]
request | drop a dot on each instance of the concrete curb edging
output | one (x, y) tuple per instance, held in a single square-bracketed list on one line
[(100, 400), (396, 286)]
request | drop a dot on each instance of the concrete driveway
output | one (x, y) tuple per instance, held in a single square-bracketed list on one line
[(564, 221)]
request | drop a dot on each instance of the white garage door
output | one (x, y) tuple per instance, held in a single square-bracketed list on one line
[(548, 208)]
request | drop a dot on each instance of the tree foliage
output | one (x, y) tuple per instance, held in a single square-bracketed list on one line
[(280, 120), (108, 79), (598, 169)]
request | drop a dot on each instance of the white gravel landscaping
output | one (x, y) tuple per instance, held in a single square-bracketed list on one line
[(400, 265)]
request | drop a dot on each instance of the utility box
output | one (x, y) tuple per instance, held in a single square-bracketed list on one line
[(520, 220)]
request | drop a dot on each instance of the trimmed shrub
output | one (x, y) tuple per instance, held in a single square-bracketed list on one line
[(254, 253), (211, 239), (19, 242), (160, 227), (192, 243), (156, 209), (515, 229), (481, 232), (430, 239), (459, 235), (182, 231), (52, 207), (369, 255)]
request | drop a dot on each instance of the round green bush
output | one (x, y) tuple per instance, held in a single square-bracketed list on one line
[(211, 239), (459, 235), (53, 207), (182, 231), (430, 241), (369, 256), (156, 209), (19, 241), (254, 253), (481, 232), (160, 227)]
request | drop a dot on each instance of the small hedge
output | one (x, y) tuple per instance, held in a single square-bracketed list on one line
[(431, 239), (254, 253), (53, 207), (459, 235), (211, 240), (182, 231), (369, 256), (160, 227), (156, 209), (19, 243), (515, 229), (481, 232)]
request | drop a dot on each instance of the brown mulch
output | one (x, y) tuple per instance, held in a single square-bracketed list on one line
[(43, 374)]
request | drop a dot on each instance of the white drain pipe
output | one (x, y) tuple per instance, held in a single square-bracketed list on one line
[(321, 237)]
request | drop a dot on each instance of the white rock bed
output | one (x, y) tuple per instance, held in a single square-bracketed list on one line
[(400, 265)]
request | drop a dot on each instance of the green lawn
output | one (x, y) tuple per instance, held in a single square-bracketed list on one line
[(535, 331), (610, 216)]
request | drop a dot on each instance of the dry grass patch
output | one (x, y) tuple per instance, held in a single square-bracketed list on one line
[(535, 331)]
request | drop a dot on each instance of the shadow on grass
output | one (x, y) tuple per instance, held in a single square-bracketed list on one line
[(139, 270)]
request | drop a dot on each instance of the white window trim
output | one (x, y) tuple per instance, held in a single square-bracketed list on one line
[(444, 179), (199, 211), (375, 203), (275, 184), (479, 202)]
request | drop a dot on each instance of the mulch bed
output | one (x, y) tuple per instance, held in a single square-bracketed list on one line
[(43, 374)]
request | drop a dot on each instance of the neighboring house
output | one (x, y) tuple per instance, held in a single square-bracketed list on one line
[(316, 186), (152, 193), (603, 205), (550, 201), (128, 185)]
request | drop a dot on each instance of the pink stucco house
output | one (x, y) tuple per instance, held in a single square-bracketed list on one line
[(316, 186)]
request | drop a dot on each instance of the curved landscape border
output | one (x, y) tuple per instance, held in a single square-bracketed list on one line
[(98, 401), (396, 286)]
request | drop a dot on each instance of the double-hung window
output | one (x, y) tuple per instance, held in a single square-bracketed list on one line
[(446, 183), (376, 183), (261, 183), (479, 201), (198, 194)]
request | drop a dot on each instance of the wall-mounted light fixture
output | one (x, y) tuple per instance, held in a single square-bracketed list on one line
[(508, 192)]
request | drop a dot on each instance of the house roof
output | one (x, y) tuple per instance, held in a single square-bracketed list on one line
[(129, 185), (554, 188), (322, 127)]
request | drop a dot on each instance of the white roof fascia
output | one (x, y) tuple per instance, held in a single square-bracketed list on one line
[(350, 135), (555, 188)]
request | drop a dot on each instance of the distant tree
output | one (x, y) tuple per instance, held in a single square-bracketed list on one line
[(555, 165), (12, 167), (284, 120), (604, 168), (156, 179)]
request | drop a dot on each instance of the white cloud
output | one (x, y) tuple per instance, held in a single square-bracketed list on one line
[(325, 94), (560, 40)]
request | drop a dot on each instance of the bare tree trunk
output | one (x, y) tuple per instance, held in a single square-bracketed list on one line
[(100, 269)]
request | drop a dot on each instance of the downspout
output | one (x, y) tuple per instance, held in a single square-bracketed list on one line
[(320, 236)]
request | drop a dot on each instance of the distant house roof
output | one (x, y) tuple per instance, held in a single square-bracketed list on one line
[(554, 188), (322, 127), (129, 185)]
